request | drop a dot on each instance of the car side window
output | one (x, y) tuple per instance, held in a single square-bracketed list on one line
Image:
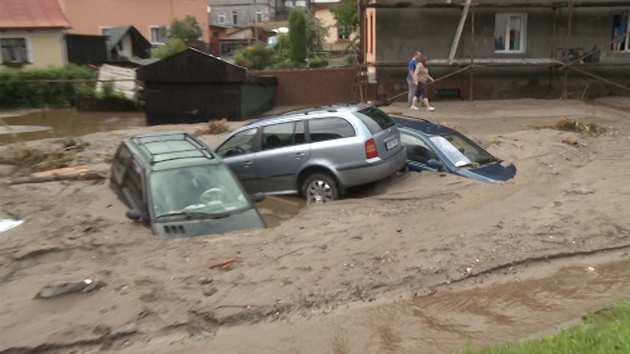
[(120, 161), (132, 188), (242, 143), (283, 134), (323, 129), (417, 150)]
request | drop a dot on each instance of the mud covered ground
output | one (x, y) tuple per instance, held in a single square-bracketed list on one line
[(387, 270)]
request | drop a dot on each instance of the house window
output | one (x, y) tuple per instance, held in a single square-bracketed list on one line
[(234, 17), (510, 34), (221, 18), (621, 33), (259, 16), (14, 50), (158, 34)]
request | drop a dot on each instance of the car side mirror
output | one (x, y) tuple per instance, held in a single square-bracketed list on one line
[(433, 163), (258, 197), (137, 215)]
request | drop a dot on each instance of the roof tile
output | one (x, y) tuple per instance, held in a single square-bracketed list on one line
[(32, 14)]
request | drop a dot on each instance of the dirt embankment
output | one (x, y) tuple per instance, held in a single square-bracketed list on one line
[(409, 235)]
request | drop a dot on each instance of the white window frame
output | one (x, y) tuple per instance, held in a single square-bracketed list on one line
[(260, 17), (30, 57), (151, 28), (523, 39), (627, 44), (221, 18), (234, 15)]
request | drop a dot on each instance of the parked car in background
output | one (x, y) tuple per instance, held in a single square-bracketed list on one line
[(317, 153), (433, 147), (175, 184)]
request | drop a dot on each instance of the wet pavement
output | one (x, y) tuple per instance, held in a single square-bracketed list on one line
[(60, 123)]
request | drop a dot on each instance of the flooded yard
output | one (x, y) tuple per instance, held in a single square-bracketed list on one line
[(60, 123)]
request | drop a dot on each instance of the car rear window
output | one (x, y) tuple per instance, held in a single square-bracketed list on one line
[(323, 129), (375, 119)]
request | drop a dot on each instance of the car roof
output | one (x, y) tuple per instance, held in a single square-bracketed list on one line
[(168, 150), (422, 125), (305, 113)]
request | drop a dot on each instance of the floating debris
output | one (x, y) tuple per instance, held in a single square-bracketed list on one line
[(8, 224)]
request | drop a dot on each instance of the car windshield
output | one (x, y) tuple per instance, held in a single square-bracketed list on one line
[(462, 152), (375, 119), (209, 190)]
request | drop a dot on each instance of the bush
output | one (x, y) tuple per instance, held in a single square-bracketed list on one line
[(34, 87), (317, 62), (172, 47), (255, 57)]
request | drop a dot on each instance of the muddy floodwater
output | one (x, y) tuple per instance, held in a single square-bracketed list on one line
[(60, 123)]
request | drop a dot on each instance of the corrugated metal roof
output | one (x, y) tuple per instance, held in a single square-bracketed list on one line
[(32, 14)]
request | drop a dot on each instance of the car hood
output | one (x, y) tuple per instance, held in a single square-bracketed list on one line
[(181, 228), (495, 172)]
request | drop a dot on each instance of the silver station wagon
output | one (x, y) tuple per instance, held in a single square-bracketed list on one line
[(316, 153)]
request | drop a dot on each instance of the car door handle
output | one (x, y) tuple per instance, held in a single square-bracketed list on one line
[(248, 164), (299, 155)]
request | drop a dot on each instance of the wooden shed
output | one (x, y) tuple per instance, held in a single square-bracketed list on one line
[(193, 87)]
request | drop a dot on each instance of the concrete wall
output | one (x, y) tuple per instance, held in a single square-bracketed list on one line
[(88, 16), (401, 31), (46, 47), (314, 86)]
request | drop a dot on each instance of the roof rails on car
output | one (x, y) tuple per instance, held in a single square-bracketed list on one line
[(172, 137)]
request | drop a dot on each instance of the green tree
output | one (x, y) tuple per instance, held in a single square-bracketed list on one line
[(297, 36), (315, 34), (255, 57), (346, 15), (182, 34), (187, 29)]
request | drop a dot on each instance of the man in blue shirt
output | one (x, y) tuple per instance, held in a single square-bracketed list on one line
[(411, 69)]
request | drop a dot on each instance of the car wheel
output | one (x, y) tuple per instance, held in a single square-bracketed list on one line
[(320, 188)]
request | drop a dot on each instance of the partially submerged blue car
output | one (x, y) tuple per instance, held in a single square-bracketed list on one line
[(433, 147)]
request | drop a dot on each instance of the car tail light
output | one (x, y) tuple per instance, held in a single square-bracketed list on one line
[(370, 149)]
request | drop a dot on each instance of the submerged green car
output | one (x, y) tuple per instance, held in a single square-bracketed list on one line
[(175, 184)]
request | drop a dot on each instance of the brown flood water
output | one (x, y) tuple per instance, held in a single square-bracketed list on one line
[(503, 312), (520, 306), (61, 123)]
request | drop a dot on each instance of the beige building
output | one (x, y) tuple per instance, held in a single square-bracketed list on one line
[(335, 39), (32, 34), (150, 17)]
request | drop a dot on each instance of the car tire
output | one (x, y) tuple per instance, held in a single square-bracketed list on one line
[(320, 188)]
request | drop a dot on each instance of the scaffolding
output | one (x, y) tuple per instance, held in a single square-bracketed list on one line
[(472, 64)]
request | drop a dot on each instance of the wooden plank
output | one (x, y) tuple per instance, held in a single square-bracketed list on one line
[(597, 77), (456, 72), (471, 89), (565, 80), (458, 34)]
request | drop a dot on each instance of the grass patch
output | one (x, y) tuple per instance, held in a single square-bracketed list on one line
[(604, 332)]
